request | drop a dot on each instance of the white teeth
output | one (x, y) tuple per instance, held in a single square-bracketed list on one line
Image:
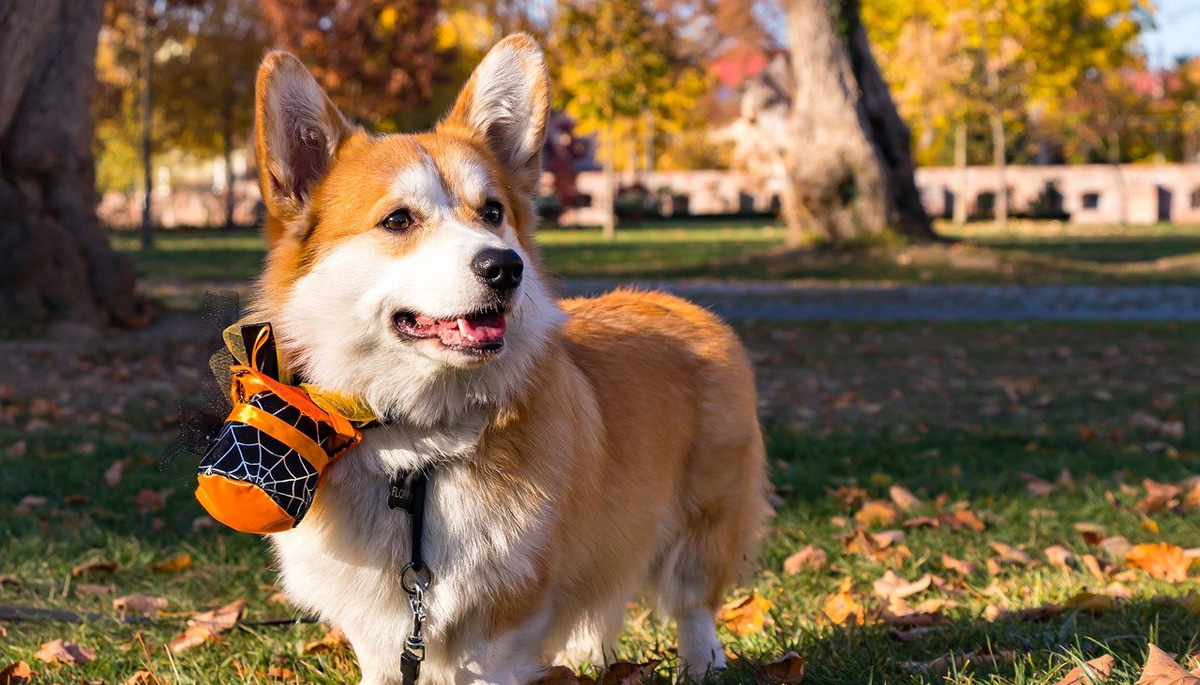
[(462, 328)]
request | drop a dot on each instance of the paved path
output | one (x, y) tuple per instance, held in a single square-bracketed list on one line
[(785, 301)]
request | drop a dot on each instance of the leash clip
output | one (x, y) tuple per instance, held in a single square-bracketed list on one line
[(414, 644)]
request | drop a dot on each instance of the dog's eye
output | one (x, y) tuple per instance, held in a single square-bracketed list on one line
[(398, 220), (493, 212)]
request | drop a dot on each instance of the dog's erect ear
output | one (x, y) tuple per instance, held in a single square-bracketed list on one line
[(297, 131), (506, 104)]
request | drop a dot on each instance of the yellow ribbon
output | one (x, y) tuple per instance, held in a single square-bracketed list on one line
[(354, 409)]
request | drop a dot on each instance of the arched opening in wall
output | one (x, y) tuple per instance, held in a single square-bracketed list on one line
[(948, 199), (1165, 198), (985, 205), (1090, 201)]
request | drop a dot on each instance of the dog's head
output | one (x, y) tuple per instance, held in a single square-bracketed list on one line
[(402, 268)]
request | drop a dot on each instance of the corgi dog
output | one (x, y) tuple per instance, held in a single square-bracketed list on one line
[(578, 452)]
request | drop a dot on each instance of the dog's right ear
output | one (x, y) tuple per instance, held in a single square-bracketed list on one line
[(297, 131)]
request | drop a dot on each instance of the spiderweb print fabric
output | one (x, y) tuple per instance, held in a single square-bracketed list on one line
[(244, 453)]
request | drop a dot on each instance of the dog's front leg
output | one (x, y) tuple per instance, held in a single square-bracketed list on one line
[(509, 656)]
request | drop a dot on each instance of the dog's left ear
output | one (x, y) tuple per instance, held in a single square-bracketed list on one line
[(506, 104)]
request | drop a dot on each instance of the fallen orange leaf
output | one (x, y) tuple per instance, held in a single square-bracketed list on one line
[(810, 557), (140, 605), (903, 498), (745, 615), (16, 674), (626, 673), (174, 564), (1161, 669), (786, 670), (1096, 670), (62, 652), (876, 513), (841, 607), (1161, 560), (334, 640)]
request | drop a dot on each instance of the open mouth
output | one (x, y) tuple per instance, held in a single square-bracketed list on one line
[(478, 333)]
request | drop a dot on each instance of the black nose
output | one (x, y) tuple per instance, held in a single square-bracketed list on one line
[(498, 269)]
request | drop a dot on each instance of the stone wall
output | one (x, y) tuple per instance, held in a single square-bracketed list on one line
[(1090, 194)]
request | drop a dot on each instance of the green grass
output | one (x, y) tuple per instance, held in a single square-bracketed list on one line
[(1032, 252), (959, 410)]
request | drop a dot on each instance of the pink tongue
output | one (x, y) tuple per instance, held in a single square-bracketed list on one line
[(485, 328), (479, 329)]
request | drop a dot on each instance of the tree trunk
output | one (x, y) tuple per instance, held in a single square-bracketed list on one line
[(227, 150), (848, 154), (1000, 163), (960, 172), (55, 260), (146, 67), (609, 227)]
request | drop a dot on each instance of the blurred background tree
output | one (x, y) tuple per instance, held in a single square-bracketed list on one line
[(625, 70), (204, 94), (1006, 70), (376, 58), (55, 259)]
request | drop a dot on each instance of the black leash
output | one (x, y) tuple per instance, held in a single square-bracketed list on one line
[(407, 492)]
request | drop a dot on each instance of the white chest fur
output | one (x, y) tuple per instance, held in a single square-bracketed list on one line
[(344, 561)]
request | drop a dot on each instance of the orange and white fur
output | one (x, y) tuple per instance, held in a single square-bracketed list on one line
[(580, 451)]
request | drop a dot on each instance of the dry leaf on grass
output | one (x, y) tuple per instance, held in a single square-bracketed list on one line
[(842, 607), (626, 673), (94, 567), (150, 501), (1159, 496), (1095, 671), (562, 675), (1037, 487), (1097, 567), (15, 674), (334, 640), (1116, 546), (1036, 614), (876, 512), (113, 474), (891, 586), (1161, 669), (280, 673), (1092, 533), (1168, 429), (903, 498), (882, 546), (1011, 555), (1059, 557), (142, 677), (1161, 560), (943, 666), (786, 670), (745, 615), (139, 605), (963, 568), (963, 519), (848, 495), (206, 626), (174, 564), (1094, 603), (6, 579), (28, 503), (62, 652), (810, 557)]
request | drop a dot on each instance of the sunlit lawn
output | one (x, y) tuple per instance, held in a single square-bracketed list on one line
[(957, 411), (1032, 252)]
